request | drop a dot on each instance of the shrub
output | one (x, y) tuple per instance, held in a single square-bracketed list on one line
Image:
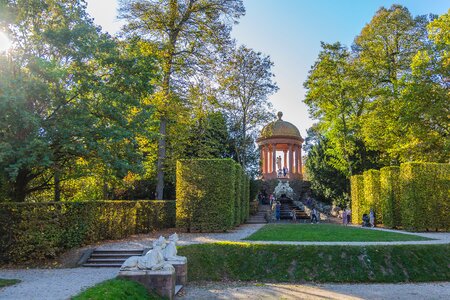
[(372, 194), (357, 197), (35, 231), (425, 195), (238, 209), (390, 196), (205, 194)]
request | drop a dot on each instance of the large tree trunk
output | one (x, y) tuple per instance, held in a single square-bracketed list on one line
[(19, 192), (57, 196), (161, 157)]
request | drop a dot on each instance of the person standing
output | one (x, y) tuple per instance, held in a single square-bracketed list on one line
[(349, 216), (344, 217), (372, 218), (278, 210), (294, 215)]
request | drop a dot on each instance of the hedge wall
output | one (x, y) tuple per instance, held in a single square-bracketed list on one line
[(357, 197), (425, 200), (372, 194), (205, 194), (238, 209), (390, 196), (34, 231)]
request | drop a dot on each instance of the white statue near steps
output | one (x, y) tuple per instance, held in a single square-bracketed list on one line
[(152, 260), (170, 251)]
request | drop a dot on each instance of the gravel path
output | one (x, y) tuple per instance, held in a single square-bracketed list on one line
[(52, 284), (64, 283), (420, 291)]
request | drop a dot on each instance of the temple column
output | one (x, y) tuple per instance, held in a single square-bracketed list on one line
[(295, 159), (300, 161), (266, 159), (274, 158), (291, 160), (263, 159), (285, 158)]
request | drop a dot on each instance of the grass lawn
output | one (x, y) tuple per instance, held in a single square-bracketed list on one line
[(327, 233), (117, 289), (294, 263), (7, 282)]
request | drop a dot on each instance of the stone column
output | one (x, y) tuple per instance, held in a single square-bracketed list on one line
[(274, 159), (295, 159), (285, 158), (300, 162), (291, 160), (265, 159)]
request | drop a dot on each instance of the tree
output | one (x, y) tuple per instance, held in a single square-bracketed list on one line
[(246, 83), (184, 34), (334, 96), (64, 96)]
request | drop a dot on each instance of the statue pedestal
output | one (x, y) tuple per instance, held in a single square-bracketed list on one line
[(180, 271), (163, 282)]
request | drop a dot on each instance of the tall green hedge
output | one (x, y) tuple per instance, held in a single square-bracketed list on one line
[(390, 196), (244, 198), (357, 197), (425, 200), (238, 195), (205, 194), (372, 194), (34, 231)]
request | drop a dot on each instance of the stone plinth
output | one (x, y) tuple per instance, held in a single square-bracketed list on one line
[(161, 282), (180, 271)]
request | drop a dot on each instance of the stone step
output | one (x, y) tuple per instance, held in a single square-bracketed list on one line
[(102, 265), (110, 257)]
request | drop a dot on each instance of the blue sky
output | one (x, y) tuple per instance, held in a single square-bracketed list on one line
[(290, 32)]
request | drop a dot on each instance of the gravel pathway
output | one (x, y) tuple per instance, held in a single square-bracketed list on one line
[(52, 284), (63, 283), (420, 291)]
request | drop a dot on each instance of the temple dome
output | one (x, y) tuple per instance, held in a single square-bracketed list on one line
[(280, 128)]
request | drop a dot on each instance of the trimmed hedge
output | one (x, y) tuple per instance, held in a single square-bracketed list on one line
[(205, 194), (414, 196), (372, 194), (390, 196), (35, 231), (238, 209), (425, 200), (357, 197)]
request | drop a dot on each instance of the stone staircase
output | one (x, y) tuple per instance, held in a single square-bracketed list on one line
[(259, 218), (113, 258), (286, 208)]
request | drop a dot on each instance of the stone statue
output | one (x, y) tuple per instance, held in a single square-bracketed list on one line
[(283, 188), (279, 162), (161, 241), (170, 251), (152, 260)]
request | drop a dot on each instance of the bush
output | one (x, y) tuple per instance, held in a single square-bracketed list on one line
[(35, 231), (390, 196), (425, 195), (205, 194), (238, 209), (372, 194), (357, 197)]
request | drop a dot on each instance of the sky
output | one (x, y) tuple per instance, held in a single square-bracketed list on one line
[(290, 32)]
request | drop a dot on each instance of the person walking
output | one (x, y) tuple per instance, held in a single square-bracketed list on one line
[(294, 215), (314, 216), (344, 217)]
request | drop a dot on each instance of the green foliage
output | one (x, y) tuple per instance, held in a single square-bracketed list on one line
[(357, 196), (372, 194), (390, 196), (118, 289), (290, 263), (425, 198), (239, 210), (245, 197), (35, 231), (327, 233), (206, 194), (8, 282)]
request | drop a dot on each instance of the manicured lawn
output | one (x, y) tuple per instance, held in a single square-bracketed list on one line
[(7, 282), (117, 289), (327, 233), (293, 263)]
